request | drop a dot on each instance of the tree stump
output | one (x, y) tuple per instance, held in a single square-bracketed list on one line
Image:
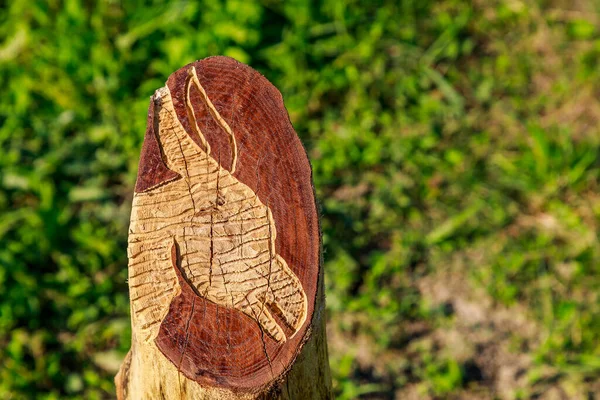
[(225, 276)]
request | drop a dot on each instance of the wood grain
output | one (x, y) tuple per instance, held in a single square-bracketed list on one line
[(224, 245)]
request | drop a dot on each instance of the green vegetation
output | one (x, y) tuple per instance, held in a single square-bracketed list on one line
[(456, 155)]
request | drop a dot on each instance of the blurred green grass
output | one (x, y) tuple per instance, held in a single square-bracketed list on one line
[(456, 155)]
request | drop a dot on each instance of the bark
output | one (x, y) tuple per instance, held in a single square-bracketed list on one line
[(225, 277)]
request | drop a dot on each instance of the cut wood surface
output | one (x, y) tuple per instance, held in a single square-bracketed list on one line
[(225, 282)]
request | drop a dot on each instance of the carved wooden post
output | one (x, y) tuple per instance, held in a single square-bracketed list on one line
[(225, 280)]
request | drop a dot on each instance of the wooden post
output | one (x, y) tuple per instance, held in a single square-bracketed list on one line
[(225, 274)]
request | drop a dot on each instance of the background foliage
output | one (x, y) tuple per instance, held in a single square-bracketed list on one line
[(455, 147)]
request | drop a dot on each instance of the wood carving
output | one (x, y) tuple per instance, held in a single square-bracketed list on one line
[(224, 246)]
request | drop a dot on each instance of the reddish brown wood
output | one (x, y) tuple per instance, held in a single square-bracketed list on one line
[(221, 346), (152, 171)]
